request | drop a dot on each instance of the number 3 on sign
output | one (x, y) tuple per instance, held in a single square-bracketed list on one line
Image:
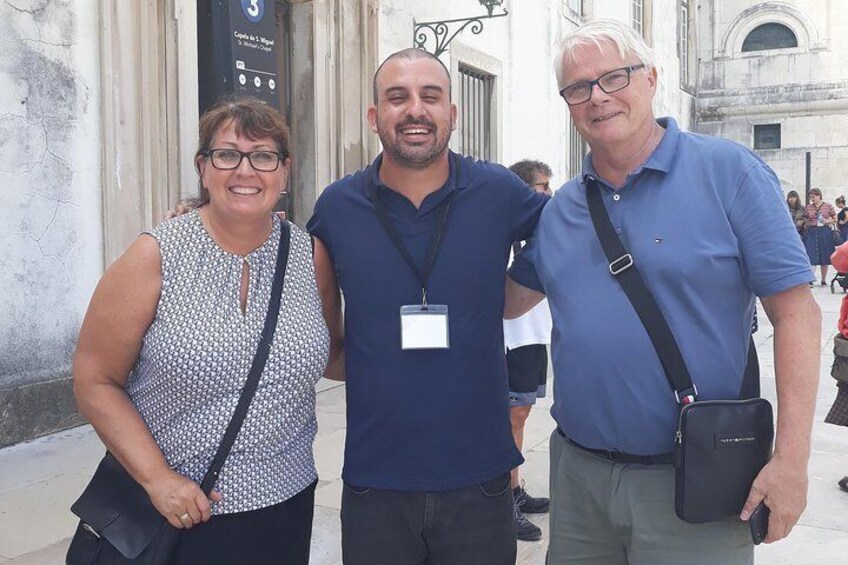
[(253, 9)]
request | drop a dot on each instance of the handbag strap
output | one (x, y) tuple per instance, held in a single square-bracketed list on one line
[(256, 367), (623, 268)]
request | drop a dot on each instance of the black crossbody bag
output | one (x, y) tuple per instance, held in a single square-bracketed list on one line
[(720, 445), (118, 523)]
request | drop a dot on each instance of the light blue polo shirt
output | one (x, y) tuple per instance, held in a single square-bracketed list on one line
[(705, 221)]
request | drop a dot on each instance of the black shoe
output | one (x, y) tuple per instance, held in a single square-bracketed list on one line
[(529, 504), (843, 483), (525, 530)]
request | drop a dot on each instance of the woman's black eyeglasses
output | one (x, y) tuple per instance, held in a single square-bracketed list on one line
[(229, 159)]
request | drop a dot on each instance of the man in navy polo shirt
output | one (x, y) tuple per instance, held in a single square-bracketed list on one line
[(418, 242), (705, 222)]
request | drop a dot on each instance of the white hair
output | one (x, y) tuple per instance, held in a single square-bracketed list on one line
[(598, 33)]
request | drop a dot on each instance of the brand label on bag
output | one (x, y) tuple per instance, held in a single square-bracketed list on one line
[(742, 439)]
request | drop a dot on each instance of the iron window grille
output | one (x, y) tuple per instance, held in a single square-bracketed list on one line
[(475, 113)]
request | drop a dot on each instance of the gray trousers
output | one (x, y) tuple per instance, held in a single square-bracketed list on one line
[(605, 513)]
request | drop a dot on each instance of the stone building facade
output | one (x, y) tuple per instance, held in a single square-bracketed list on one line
[(773, 76), (99, 110)]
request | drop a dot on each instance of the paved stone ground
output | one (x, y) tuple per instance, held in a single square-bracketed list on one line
[(40, 479)]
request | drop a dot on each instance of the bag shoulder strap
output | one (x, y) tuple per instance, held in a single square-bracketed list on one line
[(623, 268), (258, 364)]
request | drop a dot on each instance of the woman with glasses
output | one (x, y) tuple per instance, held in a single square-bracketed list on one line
[(169, 338), (818, 236)]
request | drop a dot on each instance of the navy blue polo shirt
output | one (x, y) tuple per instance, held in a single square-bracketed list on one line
[(706, 223), (426, 419)]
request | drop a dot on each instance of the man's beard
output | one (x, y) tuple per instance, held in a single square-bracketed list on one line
[(414, 157)]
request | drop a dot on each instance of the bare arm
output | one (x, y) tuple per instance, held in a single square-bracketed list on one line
[(519, 299), (121, 310), (782, 484), (833, 217), (328, 288)]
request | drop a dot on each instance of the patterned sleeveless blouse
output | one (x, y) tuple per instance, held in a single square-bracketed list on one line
[(197, 352)]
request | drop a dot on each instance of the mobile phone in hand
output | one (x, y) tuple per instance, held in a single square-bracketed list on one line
[(758, 522)]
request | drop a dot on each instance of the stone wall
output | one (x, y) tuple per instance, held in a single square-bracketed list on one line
[(804, 89), (50, 226)]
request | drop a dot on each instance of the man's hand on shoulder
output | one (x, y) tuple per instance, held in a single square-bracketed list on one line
[(182, 207)]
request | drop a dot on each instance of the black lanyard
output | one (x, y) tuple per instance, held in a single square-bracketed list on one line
[(435, 242)]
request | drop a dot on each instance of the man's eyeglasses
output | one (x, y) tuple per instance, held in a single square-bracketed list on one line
[(610, 82), (544, 186), (229, 159)]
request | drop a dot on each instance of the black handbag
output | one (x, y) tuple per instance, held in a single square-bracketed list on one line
[(837, 237), (720, 445), (839, 369), (118, 523), (720, 448)]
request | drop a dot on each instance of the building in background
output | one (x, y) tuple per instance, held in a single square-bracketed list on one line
[(773, 76), (99, 103)]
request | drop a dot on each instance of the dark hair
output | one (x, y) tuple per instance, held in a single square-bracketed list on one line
[(840, 200), (410, 53), (815, 191), (798, 204), (528, 169), (252, 118)]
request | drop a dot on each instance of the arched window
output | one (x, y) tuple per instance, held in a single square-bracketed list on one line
[(770, 36)]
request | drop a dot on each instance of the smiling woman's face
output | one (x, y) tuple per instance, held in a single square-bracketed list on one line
[(242, 191)]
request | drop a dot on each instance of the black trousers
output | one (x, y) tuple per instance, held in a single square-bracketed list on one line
[(276, 535), (468, 526)]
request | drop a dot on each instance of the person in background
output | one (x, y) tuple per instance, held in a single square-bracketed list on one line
[(526, 339), (842, 218), (818, 239), (168, 340), (838, 413), (796, 210)]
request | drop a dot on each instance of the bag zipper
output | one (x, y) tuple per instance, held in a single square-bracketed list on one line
[(678, 436), (90, 530)]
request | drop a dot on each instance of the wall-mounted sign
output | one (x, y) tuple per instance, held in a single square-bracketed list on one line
[(239, 39)]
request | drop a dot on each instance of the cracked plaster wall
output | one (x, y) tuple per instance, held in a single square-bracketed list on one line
[(50, 217)]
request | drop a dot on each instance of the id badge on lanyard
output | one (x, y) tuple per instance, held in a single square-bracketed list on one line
[(424, 326)]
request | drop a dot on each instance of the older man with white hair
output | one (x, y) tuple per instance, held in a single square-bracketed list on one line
[(704, 220)]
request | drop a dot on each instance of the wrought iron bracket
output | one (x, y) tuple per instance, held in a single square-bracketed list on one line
[(443, 32)]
